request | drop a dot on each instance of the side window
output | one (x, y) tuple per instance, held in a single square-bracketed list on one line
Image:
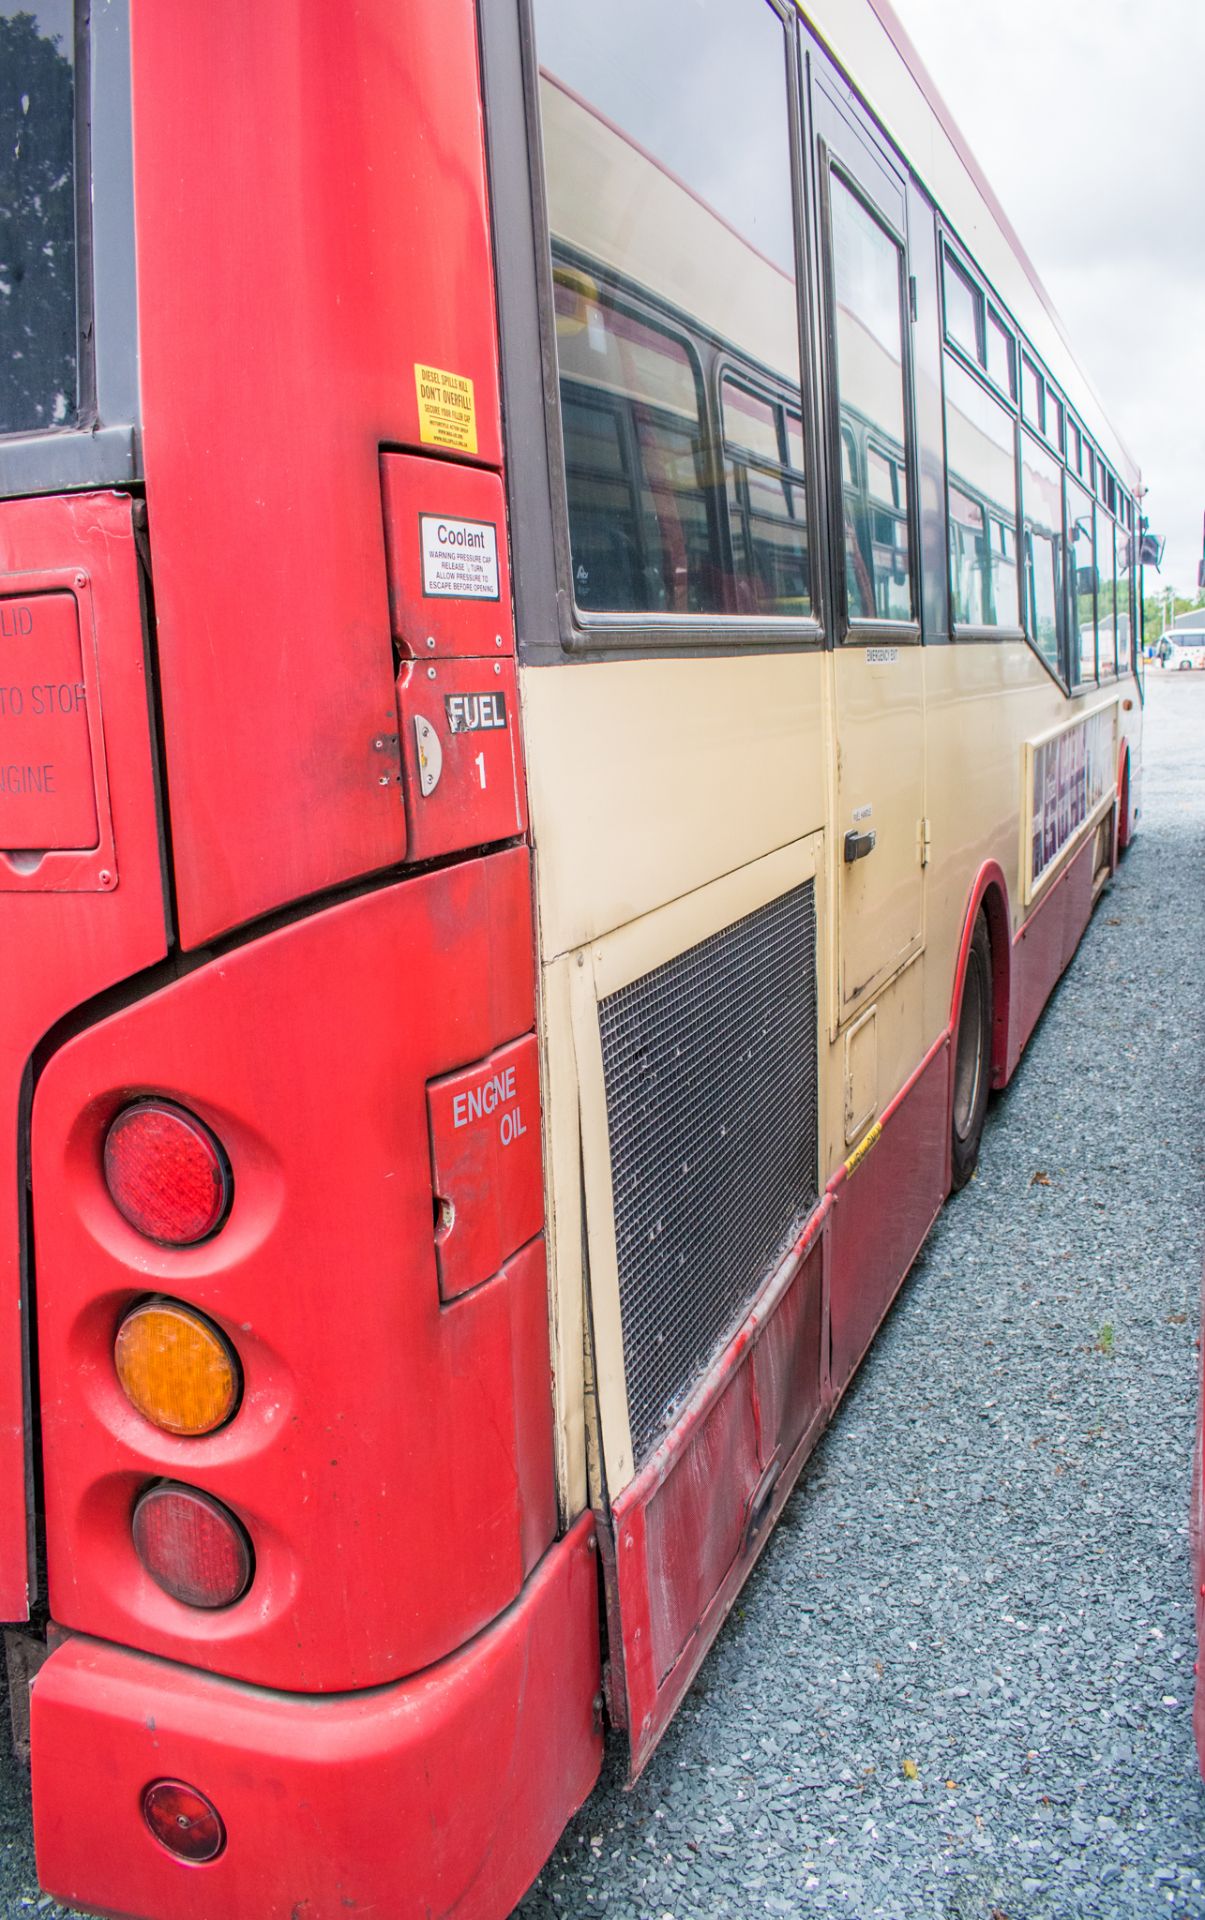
[(1033, 411), (1042, 509), (1106, 603), (673, 244), (630, 409), (767, 501), (982, 482), (868, 301), (1125, 597), (964, 309), (1081, 579), (39, 344)]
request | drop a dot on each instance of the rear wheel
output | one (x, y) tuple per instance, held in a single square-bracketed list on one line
[(972, 1058)]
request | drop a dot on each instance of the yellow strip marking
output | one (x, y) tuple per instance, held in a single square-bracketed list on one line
[(863, 1148)]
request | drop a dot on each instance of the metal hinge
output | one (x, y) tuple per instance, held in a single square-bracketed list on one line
[(926, 842), (912, 295)]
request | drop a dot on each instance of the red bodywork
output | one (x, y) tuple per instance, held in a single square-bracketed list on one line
[(402, 1711), (80, 920), (438, 1796)]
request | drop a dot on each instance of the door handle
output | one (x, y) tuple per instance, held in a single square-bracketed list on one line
[(858, 845)]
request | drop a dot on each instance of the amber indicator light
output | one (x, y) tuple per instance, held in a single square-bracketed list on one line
[(166, 1173), (176, 1368), (183, 1821), (192, 1546)]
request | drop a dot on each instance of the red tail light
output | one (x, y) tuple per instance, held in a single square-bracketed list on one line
[(192, 1546), (166, 1173), (183, 1821)]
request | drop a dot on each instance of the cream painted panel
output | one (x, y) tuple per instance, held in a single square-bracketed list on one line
[(649, 778), (881, 787), (565, 1228)]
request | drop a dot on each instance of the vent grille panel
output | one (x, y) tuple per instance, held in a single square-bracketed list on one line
[(710, 1070)]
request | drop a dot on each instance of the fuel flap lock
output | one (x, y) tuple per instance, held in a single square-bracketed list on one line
[(485, 1164), (47, 789), (461, 775)]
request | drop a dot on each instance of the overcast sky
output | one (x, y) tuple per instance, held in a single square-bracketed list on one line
[(1086, 116)]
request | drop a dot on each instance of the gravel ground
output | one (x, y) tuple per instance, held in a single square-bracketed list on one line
[(959, 1683)]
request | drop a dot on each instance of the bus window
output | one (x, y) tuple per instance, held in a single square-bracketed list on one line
[(1125, 600), (1106, 603), (1082, 584), (38, 317), (964, 309), (867, 289), (1042, 507), (630, 412), (655, 233), (763, 445), (1001, 355), (982, 481), (1032, 409)]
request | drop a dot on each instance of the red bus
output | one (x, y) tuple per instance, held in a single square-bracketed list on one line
[(567, 689)]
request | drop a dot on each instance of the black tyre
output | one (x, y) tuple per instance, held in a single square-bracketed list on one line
[(972, 1058)]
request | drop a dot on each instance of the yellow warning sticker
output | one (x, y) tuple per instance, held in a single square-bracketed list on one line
[(446, 413), (863, 1148)]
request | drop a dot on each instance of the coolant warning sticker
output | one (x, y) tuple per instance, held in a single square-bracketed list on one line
[(446, 411), (460, 558)]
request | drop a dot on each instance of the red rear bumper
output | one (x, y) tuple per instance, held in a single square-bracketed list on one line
[(441, 1795)]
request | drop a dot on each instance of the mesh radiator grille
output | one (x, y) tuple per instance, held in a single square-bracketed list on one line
[(710, 1070)]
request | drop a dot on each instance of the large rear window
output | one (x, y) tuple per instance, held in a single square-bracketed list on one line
[(39, 320)]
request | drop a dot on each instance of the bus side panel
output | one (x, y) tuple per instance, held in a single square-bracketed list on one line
[(1044, 945), (314, 281), (75, 920), (442, 1796), (391, 1457), (884, 1207)]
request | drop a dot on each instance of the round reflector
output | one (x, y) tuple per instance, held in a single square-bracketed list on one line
[(166, 1173), (192, 1546), (176, 1368), (183, 1820)]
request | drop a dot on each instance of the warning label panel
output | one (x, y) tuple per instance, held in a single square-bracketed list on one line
[(460, 558), (446, 410)]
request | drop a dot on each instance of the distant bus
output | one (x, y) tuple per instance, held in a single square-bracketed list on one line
[(1182, 649)]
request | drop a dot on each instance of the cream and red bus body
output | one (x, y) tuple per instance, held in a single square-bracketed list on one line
[(353, 979)]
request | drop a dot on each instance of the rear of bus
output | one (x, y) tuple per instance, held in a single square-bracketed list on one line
[(277, 1486)]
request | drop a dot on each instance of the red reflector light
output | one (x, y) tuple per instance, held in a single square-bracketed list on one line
[(183, 1821), (192, 1546), (166, 1173)]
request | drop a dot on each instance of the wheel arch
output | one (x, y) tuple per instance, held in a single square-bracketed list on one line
[(990, 892)]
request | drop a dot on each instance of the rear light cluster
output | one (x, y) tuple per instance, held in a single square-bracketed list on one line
[(176, 1367), (168, 1176), (192, 1546), (167, 1173)]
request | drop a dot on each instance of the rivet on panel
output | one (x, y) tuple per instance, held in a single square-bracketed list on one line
[(430, 673), (430, 639)]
